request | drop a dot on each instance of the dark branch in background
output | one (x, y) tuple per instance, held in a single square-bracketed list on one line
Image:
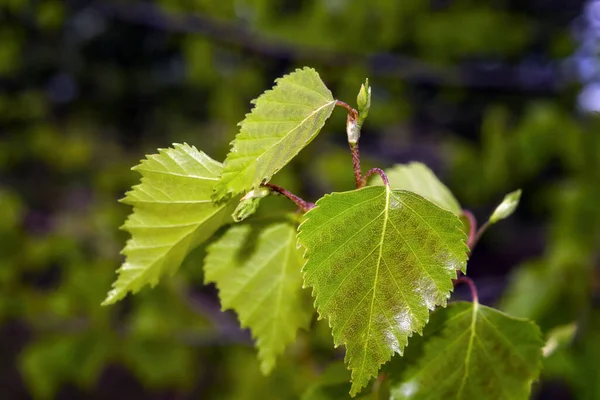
[(529, 76)]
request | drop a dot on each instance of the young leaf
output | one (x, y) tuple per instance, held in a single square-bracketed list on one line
[(248, 204), (258, 276), (283, 121), (470, 351), (363, 100), (172, 214), (378, 260), (417, 178), (507, 207), (558, 337)]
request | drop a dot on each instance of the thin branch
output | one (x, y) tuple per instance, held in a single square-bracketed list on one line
[(472, 287), (301, 203), (353, 132), (356, 165), (374, 171), (351, 111), (480, 232)]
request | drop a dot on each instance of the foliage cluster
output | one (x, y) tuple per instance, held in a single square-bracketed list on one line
[(378, 258)]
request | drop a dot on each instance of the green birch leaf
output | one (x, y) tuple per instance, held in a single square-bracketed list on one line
[(418, 178), (172, 214), (378, 260), (257, 271), (284, 120), (469, 351)]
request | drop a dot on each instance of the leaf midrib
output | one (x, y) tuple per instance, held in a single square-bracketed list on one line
[(379, 258), (171, 173), (469, 348)]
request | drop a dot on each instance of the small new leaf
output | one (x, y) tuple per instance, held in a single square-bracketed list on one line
[(283, 121), (257, 271), (249, 203), (507, 207), (416, 177), (378, 260), (172, 214), (363, 100), (559, 337), (469, 351)]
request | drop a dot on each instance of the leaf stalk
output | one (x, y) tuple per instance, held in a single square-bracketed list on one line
[(301, 203), (356, 165), (353, 132), (472, 287), (374, 171)]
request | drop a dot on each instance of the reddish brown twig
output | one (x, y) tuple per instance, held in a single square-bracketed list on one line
[(351, 111), (353, 132), (468, 281), (301, 203), (356, 165), (378, 171)]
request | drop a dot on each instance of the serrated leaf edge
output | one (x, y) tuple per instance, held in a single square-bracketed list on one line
[(458, 227)]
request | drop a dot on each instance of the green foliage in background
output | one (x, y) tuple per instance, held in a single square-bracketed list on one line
[(63, 166)]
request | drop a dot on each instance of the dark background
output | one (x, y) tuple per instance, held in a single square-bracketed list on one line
[(493, 96)]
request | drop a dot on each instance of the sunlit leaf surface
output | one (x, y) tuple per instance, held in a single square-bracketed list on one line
[(284, 120), (257, 270), (378, 261), (172, 214), (469, 351)]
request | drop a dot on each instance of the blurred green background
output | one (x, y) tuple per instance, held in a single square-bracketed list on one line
[(493, 96)]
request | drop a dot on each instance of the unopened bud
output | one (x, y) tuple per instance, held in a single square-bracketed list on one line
[(364, 101), (249, 203), (507, 207)]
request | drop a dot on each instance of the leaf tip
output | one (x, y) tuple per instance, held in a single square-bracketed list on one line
[(267, 365), (111, 298)]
